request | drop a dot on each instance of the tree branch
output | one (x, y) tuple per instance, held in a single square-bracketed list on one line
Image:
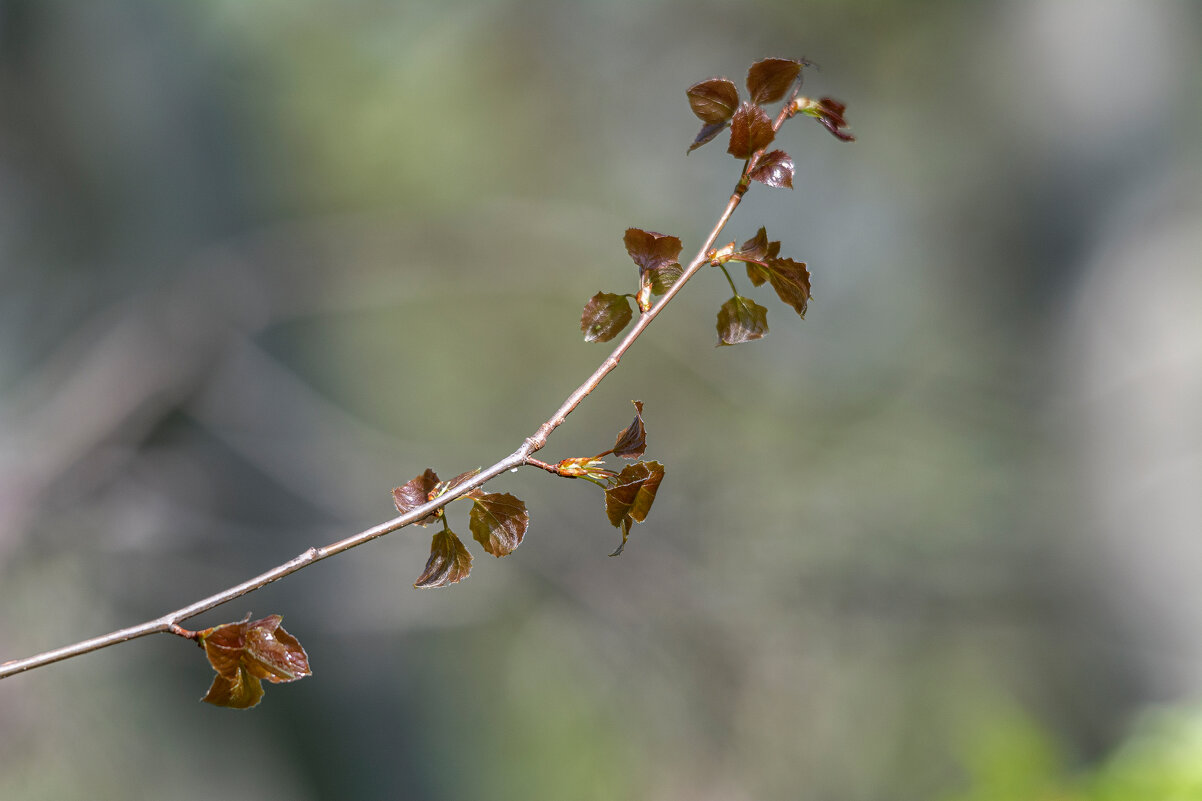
[(521, 457)]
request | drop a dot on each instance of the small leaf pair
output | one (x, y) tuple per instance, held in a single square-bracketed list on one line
[(498, 521), (245, 654), (658, 259)]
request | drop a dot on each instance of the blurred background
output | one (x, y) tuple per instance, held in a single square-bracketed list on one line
[(262, 262)]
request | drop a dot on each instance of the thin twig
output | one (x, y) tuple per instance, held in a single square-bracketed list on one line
[(522, 456)]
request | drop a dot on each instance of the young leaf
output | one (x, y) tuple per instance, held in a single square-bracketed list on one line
[(443, 487), (829, 112), (658, 258), (416, 492), (768, 80), (584, 467), (605, 315), (498, 522), (750, 130), (755, 250), (713, 100), (630, 498), (632, 441), (741, 320), (789, 278), (707, 134), (449, 561), (244, 654), (652, 251), (774, 169)]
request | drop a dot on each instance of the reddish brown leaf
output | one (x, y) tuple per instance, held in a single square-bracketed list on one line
[(707, 134), (245, 653), (652, 251), (750, 130), (741, 320), (774, 169), (415, 493), (768, 80), (630, 498), (449, 561), (633, 440), (754, 249), (789, 278), (713, 100), (604, 317), (240, 692), (498, 522), (829, 112)]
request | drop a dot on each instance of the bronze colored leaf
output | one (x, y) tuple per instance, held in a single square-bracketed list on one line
[(633, 440), (604, 317), (768, 80), (741, 320), (789, 278), (750, 130), (829, 112), (415, 493), (754, 250), (774, 169), (630, 498), (708, 131), (713, 100), (498, 522), (245, 653), (652, 251), (449, 561)]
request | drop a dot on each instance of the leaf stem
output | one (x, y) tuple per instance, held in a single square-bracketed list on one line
[(729, 280), (522, 456)]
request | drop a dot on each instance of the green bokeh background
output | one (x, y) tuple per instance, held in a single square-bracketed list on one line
[(260, 262)]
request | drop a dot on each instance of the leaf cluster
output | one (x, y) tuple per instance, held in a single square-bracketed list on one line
[(498, 521), (743, 320), (629, 492), (245, 654)]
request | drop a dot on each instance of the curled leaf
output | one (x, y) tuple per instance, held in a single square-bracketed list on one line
[(829, 112), (755, 250), (750, 130), (652, 251), (629, 499), (584, 467), (633, 440), (498, 522), (415, 493), (769, 79), (246, 653), (774, 169), (741, 320), (604, 316), (713, 100), (449, 561)]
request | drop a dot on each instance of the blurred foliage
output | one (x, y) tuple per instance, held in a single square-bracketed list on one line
[(262, 262)]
